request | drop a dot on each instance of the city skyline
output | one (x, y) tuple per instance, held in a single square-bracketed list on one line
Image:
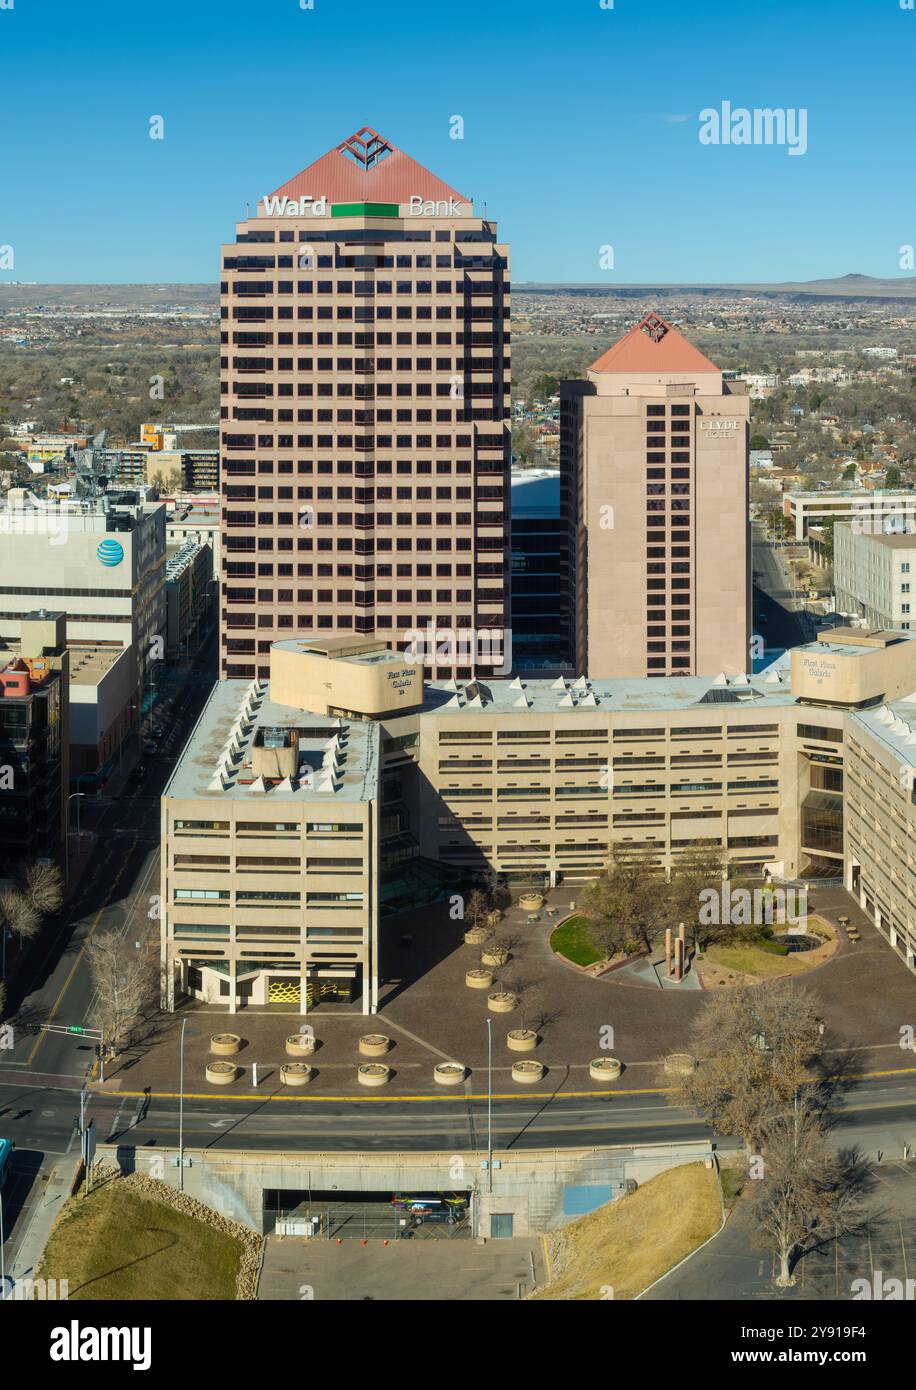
[(587, 150)]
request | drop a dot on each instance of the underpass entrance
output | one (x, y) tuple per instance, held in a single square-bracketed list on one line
[(368, 1215)]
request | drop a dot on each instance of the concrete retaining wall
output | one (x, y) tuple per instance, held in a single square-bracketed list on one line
[(541, 1188)]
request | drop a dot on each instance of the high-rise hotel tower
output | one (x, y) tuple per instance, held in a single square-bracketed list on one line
[(654, 492), (365, 443)]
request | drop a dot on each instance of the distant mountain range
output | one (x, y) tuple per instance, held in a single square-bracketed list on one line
[(843, 287), (160, 296)]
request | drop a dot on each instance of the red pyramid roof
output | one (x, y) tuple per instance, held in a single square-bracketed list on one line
[(653, 346), (366, 168)]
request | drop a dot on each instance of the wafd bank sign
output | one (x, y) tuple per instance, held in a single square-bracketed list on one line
[(110, 553)]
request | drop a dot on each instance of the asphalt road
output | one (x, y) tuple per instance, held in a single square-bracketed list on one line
[(779, 616), (878, 1113)]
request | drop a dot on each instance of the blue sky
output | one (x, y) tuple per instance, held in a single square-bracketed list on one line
[(581, 128)]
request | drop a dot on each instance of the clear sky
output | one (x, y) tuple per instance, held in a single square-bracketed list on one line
[(581, 128)]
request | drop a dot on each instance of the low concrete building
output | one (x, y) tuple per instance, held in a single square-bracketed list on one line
[(874, 575), (102, 707), (270, 831), (277, 851), (874, 511)]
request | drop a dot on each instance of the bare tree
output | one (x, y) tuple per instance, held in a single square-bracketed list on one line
[(807, 1193), (701, 866), (43, 886), (476, 909), (624, 904), (527, 992), (18, 914), (123, 979), (756, 1049)]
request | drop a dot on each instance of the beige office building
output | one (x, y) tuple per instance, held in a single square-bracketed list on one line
[(365, 441), (654, 457), (299, 813), (874, 575)]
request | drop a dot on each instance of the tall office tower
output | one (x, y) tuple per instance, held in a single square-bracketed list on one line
[(365, 436), (654, 465)]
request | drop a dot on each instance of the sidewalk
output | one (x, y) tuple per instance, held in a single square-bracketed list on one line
[(57, 1189)]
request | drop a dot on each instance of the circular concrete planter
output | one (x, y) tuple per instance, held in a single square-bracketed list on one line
[(521, 1040), (479, 979), (475, 936), (221, 1073), (531, 902), (373, 1074), (448, 1073), (502, 1002), (373, 1045), (527, 1072), (295, 1073), (605, 1068), (680, 1064), (300, 1045), (494, 956), (225, 1044)]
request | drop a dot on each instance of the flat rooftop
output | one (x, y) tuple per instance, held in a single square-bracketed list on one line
[(894, 725), (341, 757), (637, 696), (856, 641), (88, 665), (365, 651), (895, 540)]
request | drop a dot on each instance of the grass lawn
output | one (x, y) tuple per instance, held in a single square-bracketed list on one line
[(115, 1244), (571, 939), (629, 1243), (751, 961)]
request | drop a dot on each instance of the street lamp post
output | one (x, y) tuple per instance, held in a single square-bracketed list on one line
[(77, 796)]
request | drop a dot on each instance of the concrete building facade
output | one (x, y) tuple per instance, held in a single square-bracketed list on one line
[(291, 805), (876, 511), (188, 576), (874, 575), (654, 456), (100, 563), (270, 831)]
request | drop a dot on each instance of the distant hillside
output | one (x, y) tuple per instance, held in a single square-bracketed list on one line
[(846, 287), (13, 296)]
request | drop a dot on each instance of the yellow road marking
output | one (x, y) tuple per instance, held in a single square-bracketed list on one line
[(460, 1100)]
